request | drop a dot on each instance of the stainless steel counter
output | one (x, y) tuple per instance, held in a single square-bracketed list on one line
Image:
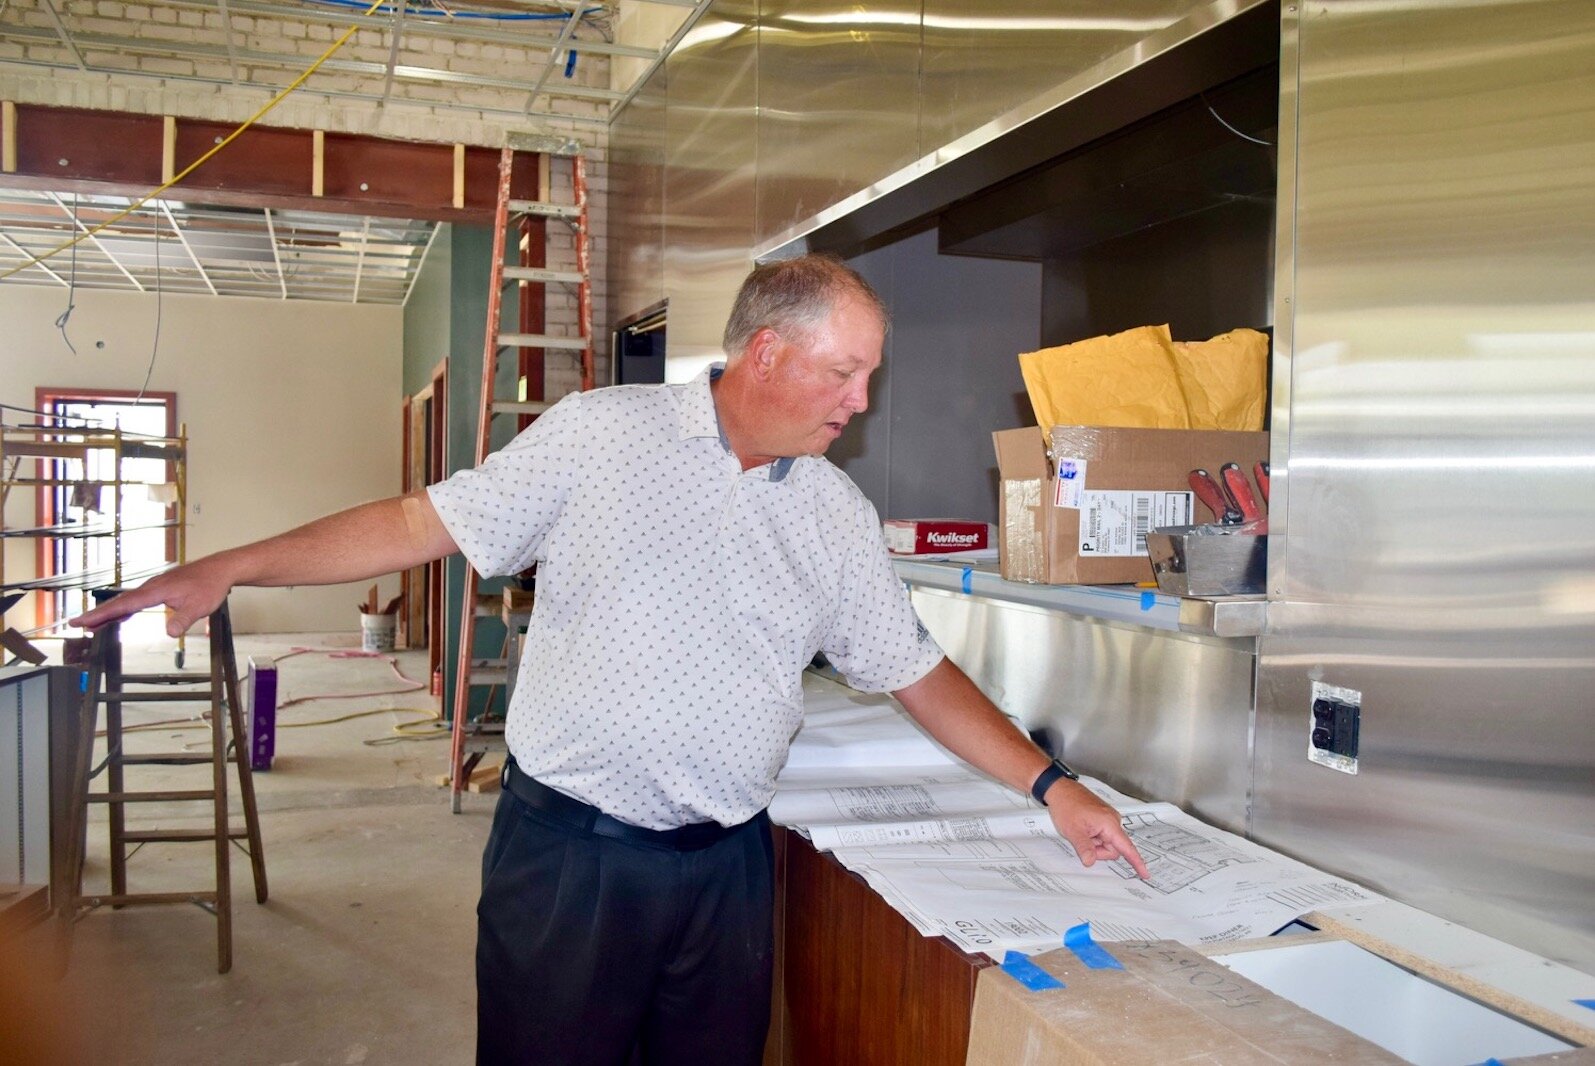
[(1225, 616), (1151, 693)]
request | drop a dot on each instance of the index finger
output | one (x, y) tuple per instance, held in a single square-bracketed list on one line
[(1121, 840), (119, 606)]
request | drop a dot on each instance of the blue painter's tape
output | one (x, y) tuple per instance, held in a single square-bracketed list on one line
[(1590, 1003), (1148, 599), (1017, 964), (1078, 940), (969, 578)]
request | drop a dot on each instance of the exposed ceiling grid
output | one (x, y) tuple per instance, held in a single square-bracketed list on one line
[(217, 250)]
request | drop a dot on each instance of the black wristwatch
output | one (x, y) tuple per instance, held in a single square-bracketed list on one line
[(1049, 777)]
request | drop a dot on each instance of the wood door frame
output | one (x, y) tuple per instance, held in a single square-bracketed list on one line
[(432, 397)]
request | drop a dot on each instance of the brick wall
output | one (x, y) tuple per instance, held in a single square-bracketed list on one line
[(139, 54)]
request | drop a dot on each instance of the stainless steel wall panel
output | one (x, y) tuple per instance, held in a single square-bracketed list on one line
[(839, 102), (1156, 714), (1438, 514), (1473, 798), (1445, 245), (711, 145), (983, 59), (636, 228)]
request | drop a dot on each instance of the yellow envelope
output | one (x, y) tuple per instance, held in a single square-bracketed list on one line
[(1225, 379), (1143, 379), (1129, 379)]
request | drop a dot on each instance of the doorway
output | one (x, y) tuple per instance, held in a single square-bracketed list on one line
[(98, 491), (639, 347)]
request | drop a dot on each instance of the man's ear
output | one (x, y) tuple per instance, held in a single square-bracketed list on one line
[(763, 353)]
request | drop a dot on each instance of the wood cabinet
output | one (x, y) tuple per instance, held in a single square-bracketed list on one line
[(855, 982)]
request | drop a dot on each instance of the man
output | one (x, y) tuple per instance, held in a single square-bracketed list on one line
[(694, 551)]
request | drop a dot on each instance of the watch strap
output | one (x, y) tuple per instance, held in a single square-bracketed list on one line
[(1056, 770)]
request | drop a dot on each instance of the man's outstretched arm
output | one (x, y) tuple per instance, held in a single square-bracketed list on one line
[(365, 541)]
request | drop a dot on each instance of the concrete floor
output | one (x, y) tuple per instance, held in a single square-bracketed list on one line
[(362, 954)]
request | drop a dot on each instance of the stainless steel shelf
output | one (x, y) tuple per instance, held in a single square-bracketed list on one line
[(78, 531), (1225, 616), (82, 579), (49, 448)]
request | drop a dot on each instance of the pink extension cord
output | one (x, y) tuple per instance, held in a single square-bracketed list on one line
[(345, 653)]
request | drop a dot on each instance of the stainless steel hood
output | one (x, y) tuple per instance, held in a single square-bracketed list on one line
[(1212, 47)]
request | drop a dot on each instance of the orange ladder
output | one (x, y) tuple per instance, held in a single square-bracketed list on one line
[(476, 669)]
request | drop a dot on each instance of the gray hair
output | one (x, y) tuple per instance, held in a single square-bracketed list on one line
[(791, 296)]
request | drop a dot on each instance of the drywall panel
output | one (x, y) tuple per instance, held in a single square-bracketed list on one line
[(292, 412)]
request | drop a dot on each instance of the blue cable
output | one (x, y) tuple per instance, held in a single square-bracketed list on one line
[(529, 16)]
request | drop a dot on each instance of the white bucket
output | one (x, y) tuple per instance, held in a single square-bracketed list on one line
[(376, 631)]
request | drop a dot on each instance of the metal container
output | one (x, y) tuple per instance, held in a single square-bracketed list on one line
[(1208, 560)]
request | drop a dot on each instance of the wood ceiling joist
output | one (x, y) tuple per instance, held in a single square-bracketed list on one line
[(74, 150)]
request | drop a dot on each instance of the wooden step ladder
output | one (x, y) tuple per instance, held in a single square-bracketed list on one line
[(527, 282), (107, 687)]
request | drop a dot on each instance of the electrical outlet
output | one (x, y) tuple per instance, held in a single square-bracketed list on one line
[(1334, 722)]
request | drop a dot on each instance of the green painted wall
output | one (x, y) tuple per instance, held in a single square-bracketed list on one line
[(445, 315), (427, 314)]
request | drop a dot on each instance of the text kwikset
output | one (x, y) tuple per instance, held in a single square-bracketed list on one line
[(955, 538)]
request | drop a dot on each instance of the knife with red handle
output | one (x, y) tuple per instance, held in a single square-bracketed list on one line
[(1240, 490), (1207, 490), (1260, 472)]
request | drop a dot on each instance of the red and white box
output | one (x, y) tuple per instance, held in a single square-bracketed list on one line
[(935, 536)]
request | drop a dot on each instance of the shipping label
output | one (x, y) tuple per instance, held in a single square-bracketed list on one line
[(1116, 523), (1071, 483)]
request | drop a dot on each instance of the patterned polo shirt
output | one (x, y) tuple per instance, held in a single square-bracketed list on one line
[(678, 600)]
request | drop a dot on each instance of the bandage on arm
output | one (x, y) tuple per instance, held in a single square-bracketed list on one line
[(414, 523)]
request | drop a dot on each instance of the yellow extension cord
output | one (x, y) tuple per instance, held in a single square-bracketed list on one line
[(250, 121)]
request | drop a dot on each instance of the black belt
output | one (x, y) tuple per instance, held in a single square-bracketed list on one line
[(589, 819)]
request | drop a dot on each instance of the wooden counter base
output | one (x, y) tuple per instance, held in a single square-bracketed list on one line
[(855, 983)]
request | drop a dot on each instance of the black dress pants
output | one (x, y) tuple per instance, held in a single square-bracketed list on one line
[(603, 951)]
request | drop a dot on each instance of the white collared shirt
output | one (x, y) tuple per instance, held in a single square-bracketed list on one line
[(678, 600)]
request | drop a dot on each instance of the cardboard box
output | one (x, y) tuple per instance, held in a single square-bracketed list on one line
[(1080, 516), (1168, 1004), (924, 536), (260, 711)]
